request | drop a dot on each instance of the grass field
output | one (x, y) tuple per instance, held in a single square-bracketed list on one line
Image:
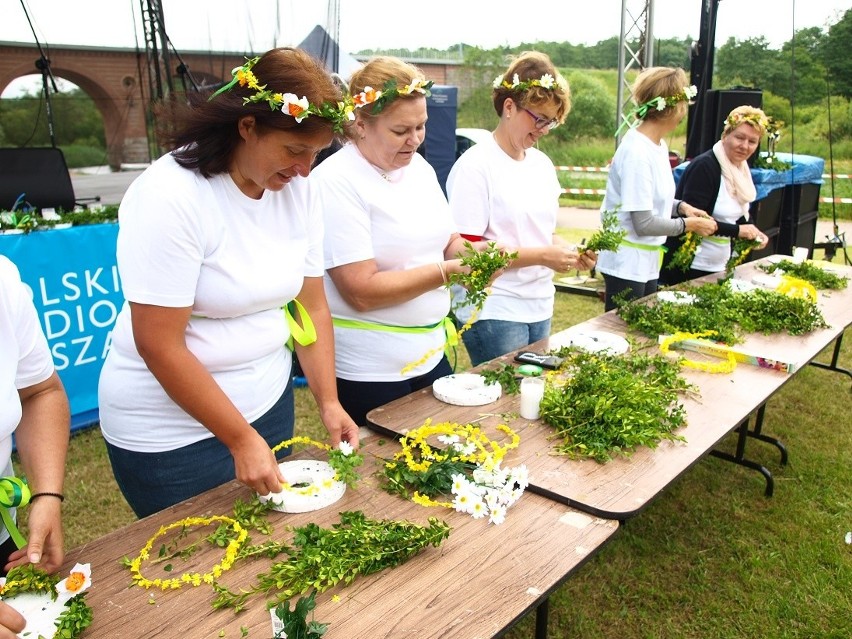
[(710, 557)]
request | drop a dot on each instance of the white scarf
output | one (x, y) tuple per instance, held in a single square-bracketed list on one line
[(737, 179)]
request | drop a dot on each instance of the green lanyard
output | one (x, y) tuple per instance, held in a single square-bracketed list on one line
[(452, 335), (647, 247), (14, 492)]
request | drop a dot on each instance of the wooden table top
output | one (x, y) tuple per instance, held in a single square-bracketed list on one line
[(622, 487), (480, 581)]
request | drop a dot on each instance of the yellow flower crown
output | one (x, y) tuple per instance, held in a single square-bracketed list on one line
[(758, 120), (288, 103), (660, 103), (546, 81), (380, 98)]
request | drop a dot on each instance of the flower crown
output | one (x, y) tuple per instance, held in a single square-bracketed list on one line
[(758, 120), (686, 94), (388, 93), (288, 103), (546, 81)]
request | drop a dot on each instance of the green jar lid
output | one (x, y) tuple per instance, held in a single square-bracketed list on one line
[(530, 369)]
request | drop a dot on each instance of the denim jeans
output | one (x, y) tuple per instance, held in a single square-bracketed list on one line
[(616, 285), (151, 482), (487, 339), (359, 398)]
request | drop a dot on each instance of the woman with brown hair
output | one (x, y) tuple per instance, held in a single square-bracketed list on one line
[(216, 239)]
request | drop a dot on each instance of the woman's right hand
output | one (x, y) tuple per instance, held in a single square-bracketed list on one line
[(701, 225), (255, 464), (11, 621)]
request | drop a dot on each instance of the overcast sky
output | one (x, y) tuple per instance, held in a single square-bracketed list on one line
[(250, 25)]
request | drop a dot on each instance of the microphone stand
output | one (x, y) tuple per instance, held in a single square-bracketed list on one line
[(43, 65)]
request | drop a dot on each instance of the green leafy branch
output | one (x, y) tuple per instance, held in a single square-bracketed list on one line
[(608, 237)]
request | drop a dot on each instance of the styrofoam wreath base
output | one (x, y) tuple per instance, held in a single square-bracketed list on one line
[(466, 389), (310, 473)]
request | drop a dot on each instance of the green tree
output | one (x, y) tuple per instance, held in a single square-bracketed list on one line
[(836, 58), (748, 62), (801, 75)]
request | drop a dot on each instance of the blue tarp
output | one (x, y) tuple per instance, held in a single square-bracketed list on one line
[(806, 169)]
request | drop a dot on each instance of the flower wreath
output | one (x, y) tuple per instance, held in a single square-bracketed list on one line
[(380, 98), (194, 578), (343, 460), (726, 366), (48, 604), (469, 468), (660, 103), (288, 103), (757, 120), (546, 81)]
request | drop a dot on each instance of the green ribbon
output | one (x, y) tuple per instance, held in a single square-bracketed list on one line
[(303, 335), (450, 331), (14, 492), (647, 247)]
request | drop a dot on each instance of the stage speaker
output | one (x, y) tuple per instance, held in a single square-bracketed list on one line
[(40, 174), (718, 103)]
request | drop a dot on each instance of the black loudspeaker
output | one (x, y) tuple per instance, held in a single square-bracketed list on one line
[(718, 103), (40, 174)]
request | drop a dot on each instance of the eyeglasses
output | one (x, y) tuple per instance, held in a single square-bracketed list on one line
[(542, 123)]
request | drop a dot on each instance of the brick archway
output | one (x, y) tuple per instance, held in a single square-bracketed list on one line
[(116, 79)]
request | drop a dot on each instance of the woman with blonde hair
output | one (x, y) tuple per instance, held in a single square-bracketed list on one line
[(390, 243), (505, 190), (719, 180), (640, 188)]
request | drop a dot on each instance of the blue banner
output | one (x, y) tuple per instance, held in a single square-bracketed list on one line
[(76, 289)]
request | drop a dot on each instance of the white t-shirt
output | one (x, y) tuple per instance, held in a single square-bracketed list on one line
[(514, 202), (187, 241), (25, 359), (401, 220), (714, 251), (640, 179)]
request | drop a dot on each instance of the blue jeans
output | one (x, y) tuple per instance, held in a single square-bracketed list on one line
[(616, 285), (489, 338), (359, 398), (151, 482)]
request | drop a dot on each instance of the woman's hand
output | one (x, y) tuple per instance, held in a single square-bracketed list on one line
[(11, 621), (751, 232), (255, 464), (339, 425), (44, 544), (562, 258), (702, 225), (687, 210)]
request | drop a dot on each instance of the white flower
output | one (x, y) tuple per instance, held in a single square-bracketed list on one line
[(690, 92), (848, 538), (497, 515), (345, 448), (520, 476), (515, 80), (460, 484), (661, 104), (561, 82), (78, 581), (468, 449), (478, 510), (546, 81), (463, 501), (498, 82), (300, 112), (448, 439)]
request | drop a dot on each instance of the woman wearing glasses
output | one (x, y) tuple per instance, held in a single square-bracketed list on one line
[(505, 190)]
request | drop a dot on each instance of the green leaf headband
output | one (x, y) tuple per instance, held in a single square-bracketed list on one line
[(659, 104), (388, 93), (288, 103)]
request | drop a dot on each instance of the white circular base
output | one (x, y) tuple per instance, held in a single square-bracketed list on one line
[(317, 474), (595, 342), (466, 389)]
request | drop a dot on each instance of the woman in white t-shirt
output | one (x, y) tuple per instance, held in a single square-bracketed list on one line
[(505, 190), (640, 188), (389, 243), (216, 238), (34, 407)]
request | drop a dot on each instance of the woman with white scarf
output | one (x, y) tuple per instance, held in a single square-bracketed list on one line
[(719, 180)]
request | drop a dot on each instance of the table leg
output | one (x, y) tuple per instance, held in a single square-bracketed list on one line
[(835, 356), (541, 619), (743, 433)]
